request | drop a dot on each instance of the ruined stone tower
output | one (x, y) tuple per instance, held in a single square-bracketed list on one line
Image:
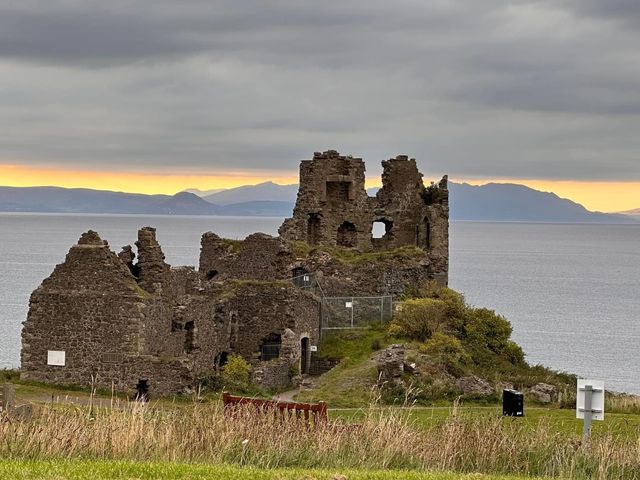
[(333, 207)]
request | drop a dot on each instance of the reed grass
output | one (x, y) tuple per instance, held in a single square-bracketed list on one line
[(384, 439)]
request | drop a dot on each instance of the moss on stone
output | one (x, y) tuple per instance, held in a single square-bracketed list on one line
[(354, 257), (234, 246)]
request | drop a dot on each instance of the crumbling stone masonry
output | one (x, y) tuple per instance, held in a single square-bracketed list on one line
[(118, 323), (333, 208), (117, 320)]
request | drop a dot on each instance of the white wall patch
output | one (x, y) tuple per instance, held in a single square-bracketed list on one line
[(56, 358)]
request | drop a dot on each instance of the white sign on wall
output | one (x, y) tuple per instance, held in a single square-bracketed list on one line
[(56, 358), (348, 304), (314, 348), (597, 398)]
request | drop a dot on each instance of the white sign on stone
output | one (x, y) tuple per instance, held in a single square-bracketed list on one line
[(597, 398), (314, 348), (349, 304), (56, 358)]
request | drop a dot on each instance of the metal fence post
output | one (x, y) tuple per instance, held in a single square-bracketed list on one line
[(352, 312), (588, 413)]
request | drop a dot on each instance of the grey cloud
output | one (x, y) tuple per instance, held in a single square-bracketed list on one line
[(544, 89)]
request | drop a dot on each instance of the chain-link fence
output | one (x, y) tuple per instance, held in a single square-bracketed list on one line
[(346, 312), (354, 312)]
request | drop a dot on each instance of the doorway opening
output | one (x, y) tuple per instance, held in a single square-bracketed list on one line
[(142, 390), (305, 353), (221, 360)]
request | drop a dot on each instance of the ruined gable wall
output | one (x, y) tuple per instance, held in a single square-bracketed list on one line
[(88, 307), (93, 308)]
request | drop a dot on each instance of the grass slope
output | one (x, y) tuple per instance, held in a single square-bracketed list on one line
[(97, 470)]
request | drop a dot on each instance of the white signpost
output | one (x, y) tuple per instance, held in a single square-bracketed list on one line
[(589, 403)]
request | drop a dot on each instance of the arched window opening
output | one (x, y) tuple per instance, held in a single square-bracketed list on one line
[(142, 390), (382, 228), (313, 229), (347, 235), (270, 347), (378, 229)]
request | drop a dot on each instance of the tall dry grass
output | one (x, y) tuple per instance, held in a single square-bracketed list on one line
[(384, 439)]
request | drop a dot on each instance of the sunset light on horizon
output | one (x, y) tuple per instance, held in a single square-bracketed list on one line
[(604, 196)]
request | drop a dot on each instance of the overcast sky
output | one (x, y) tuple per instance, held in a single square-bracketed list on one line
[(476, 88)]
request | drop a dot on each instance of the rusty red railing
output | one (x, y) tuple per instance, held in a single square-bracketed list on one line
[(311, 412)]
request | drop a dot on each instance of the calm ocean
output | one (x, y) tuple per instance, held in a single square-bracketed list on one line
[(571, 292)]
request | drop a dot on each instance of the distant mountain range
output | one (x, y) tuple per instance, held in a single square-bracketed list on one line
[(635, 211), (491, 202)]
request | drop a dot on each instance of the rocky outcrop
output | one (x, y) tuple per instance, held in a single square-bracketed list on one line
[(473, 385), (390, 364), (543, 393)]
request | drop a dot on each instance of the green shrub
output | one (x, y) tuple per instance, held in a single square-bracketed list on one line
[(236, 371), (9, 375), (487, 334), (419, 318), (454, 301), (448, 352)]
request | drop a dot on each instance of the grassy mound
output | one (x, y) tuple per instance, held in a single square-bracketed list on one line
[(444, 339)]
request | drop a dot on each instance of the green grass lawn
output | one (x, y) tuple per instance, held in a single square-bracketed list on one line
[(97, 470), (559, 420)]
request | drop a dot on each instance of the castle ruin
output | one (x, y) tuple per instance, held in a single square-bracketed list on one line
[(130, 318)]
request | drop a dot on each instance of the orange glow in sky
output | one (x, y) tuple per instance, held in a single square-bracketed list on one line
[(150, 183), (595, 196), (598, 196)]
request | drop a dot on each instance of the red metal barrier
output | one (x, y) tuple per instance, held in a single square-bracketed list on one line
[(311, 411)]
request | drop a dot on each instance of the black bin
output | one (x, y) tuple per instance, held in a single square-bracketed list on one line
[(512, 403)]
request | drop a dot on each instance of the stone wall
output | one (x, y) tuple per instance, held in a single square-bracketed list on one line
[(333, 208), (274, 374), (258, 257), (90, 308), (94, 308), (256, 309)]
